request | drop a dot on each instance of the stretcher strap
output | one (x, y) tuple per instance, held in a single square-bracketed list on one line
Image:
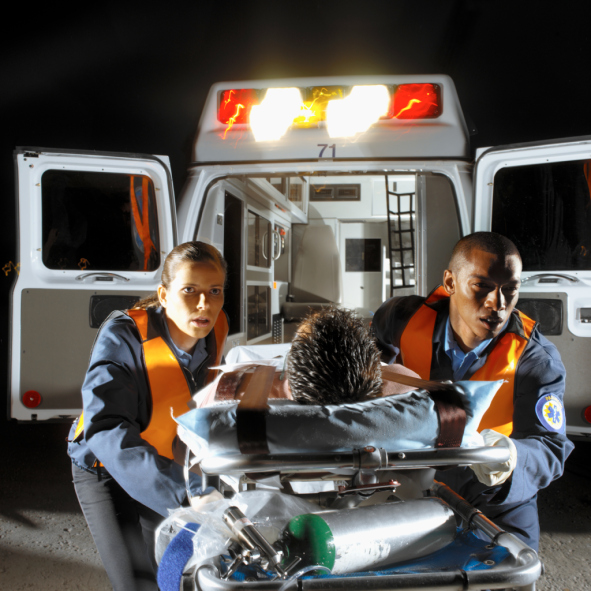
[(452, 421), (251, 423)]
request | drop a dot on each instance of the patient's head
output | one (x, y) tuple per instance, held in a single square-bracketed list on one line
[(333, 360)]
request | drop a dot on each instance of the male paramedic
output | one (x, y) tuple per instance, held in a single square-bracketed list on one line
[(468, 328)]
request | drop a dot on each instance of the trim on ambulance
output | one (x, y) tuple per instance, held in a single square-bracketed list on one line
[(11, 291), (317, 160), (580, 140)]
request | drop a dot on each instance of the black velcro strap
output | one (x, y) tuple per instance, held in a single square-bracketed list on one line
[(251, 423), (452, 419), (448, 404)]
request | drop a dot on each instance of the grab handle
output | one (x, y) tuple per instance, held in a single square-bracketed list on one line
[(570, 278), (101, 276)]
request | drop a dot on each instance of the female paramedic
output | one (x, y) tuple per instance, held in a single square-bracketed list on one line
[(145, 364)]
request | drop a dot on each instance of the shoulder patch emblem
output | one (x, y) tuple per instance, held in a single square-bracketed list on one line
[(550, 412)]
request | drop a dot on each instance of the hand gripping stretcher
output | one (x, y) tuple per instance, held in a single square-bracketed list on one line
[(337, 498)]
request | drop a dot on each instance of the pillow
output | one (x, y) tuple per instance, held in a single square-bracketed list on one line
[(244, 353), (400, 422)]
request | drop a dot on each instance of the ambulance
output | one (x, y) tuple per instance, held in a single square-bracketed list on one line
[(343, 190)]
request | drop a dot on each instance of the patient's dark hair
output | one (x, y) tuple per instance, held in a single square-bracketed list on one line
[(491, 242), (333, 360)]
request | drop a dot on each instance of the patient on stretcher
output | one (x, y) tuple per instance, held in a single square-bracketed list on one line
[(332, 360), (346, 397), (326, 392)]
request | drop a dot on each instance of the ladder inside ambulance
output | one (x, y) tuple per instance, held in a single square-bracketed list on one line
[(401, 237)]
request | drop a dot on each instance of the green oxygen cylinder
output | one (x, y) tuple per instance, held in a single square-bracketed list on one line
[(365, 538)]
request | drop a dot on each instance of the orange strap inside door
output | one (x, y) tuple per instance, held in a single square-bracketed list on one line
[(142, 222)]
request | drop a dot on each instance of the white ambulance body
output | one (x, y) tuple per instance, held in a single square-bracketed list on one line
[(345, 190)]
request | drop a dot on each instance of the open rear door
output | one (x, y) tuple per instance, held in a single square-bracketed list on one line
[(539, 195), (93, 231)]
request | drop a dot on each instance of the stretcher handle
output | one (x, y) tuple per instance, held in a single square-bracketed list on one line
[(236, 464)]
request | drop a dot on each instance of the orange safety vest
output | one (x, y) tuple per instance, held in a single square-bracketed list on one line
[(416, 347), (168, 385)]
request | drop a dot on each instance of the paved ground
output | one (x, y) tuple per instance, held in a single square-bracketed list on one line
[(45, 545)]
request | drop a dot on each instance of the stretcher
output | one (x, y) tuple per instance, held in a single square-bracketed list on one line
[(355, 517)]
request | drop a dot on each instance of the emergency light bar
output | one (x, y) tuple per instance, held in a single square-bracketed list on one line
[(332, 118), (346, 111)]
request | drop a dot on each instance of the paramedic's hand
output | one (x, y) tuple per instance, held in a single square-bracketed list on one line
[(493, 474)]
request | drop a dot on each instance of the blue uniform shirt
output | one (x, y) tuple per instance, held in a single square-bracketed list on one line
[(192, 362), (461, 362)]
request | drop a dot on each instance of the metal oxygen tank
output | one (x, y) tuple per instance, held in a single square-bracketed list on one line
[(363, 538)]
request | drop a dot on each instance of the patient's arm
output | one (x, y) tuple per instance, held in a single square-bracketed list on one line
[(279, 389), (232, 385), (388, 387)]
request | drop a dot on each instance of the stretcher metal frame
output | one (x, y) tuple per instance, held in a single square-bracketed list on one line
[(520, 570)]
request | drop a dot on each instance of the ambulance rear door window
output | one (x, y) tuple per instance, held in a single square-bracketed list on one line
[(545, 209), (99, 221)]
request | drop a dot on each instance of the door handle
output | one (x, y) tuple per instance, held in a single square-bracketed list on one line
[(101, 276), (570, 278), (278, 237)]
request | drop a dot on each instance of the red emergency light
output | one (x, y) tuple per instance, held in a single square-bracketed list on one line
[(31, 399), (235, 105), (416, 101)]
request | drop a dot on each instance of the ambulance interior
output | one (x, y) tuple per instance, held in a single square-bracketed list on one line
[(296, 243)]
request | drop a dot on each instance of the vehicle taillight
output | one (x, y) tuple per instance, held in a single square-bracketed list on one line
[(31, 399), (587, 414), (235, 105), (415, 101)]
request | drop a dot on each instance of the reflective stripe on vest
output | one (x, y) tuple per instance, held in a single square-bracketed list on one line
[(168, 385), (416, 347)]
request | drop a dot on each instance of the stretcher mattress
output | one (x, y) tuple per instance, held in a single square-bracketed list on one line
[(401, 422)]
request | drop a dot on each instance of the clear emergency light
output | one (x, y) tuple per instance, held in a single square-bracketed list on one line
[(345, 111)]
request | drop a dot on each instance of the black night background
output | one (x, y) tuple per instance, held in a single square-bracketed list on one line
[(130, 76), (133, 76)]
